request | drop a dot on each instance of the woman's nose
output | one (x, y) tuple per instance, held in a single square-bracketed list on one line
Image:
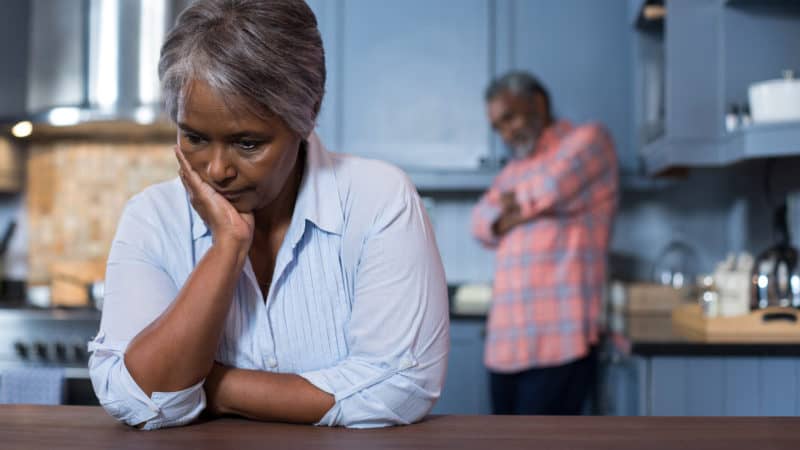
[(220, 169)]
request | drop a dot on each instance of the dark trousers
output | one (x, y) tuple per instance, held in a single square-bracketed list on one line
[(558, 390)]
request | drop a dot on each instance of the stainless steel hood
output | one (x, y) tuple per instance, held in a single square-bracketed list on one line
[(96, 60)]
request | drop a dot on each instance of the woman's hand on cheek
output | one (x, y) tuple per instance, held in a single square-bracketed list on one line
[(226, 223)]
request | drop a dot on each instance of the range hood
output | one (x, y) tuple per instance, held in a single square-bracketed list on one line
[(96, 60)]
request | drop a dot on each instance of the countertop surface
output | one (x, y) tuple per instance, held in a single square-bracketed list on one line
[(655, 335), (24, 427), (640, 334)]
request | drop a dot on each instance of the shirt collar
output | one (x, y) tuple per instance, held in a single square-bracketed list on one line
[(317, 199), (552, 136)]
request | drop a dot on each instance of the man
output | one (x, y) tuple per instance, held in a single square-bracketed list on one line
[(548, 214)]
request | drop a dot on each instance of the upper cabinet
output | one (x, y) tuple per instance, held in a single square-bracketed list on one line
[(14, 16), (713, 51), (581, 51), (406, 83), (406, 79)]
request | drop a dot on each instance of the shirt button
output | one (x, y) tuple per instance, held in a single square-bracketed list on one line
[(272, 362)]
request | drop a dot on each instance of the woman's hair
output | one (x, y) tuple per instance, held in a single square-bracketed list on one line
[(266, 52)]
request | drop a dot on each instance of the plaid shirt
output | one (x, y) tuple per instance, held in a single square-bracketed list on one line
[(550, 270)]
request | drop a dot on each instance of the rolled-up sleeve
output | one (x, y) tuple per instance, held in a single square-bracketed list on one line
[(398, 334), (124, 399), (137, 291), (484, 215)]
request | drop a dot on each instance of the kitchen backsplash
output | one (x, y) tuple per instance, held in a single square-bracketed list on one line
[(76, 192)]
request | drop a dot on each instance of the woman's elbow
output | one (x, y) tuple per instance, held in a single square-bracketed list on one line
[(124, 400)]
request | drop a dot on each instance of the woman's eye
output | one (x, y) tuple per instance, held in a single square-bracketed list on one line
[(248, 145), (194, 139)]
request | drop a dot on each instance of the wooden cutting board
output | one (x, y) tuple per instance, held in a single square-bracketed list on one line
[(770, 325)]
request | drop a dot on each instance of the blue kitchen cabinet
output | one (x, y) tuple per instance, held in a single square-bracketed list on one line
[(724, 386), (466, 388), (680, 385), (406, 81), (581, 50), (14, 16), (622, 386), (714, 49)]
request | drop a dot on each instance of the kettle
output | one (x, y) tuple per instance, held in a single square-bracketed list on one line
[(776, 275)]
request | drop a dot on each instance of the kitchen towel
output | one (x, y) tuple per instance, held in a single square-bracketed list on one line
[(32, 385)]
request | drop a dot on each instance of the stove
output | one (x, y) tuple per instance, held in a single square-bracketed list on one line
[(57, 337)]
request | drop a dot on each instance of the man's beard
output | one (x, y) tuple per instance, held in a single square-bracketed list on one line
[(525, 143)]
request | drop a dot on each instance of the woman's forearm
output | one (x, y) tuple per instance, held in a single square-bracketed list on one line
[(265, 395), (177, 350)]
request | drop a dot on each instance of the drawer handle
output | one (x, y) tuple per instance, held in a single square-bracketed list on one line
[(779, 316)]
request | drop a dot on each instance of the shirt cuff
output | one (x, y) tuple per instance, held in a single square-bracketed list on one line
[(489, 214), (349, 378), (123, 399)]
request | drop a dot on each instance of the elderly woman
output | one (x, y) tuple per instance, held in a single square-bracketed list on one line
[(274, 280)]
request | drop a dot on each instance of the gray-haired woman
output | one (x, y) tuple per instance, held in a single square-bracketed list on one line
[(274, 280)]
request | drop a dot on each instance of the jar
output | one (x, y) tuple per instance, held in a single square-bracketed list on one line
[(709, 297)]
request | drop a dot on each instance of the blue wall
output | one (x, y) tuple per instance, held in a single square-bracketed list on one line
[(406, 81)]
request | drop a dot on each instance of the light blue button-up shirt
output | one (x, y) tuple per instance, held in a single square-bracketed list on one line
[(357, 306)]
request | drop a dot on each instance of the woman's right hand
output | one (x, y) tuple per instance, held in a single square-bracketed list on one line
[(226, 223)]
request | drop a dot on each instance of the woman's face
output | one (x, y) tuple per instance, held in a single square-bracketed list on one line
[(246, 158)]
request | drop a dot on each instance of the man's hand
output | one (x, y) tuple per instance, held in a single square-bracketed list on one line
[(508, 201), (225, 222), (510, 216)]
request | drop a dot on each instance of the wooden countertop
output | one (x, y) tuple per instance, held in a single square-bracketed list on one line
[(654, 334), (24, 427)]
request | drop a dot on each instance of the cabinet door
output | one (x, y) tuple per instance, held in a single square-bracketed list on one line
[(14, 30), (724, 386), (412, 75), (581, 51), (621, 384), (329, 20), (466, 389)]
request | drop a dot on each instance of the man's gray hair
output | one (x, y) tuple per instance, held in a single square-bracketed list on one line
[(267, 52), (517, 83)]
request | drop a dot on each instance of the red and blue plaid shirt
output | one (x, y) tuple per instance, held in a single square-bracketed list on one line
[(551, 269)]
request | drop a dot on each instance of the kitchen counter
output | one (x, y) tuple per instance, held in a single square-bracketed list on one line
[(86, 428), (654, 335)]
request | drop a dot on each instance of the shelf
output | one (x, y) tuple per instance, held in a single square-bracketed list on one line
[(452, 180), (782, 5), (754, 142)]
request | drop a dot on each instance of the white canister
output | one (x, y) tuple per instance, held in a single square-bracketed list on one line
[(775, 100)]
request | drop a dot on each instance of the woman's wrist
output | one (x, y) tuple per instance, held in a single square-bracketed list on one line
[(215, 402), (233, 245)]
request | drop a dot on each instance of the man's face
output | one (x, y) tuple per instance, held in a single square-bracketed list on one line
[(519, 119)]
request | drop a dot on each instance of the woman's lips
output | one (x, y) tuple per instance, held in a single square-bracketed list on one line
[(233, 195)]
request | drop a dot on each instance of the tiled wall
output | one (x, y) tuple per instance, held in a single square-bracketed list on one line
[(76, 192)]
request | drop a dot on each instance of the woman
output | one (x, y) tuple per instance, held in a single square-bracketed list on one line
[(274, 280)]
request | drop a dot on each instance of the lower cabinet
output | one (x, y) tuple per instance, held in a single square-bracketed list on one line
[(466, 388), (659, 385), (621, 385)]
